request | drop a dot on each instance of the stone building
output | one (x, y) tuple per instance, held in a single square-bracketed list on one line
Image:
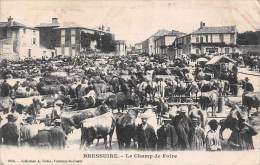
[(18, 41)]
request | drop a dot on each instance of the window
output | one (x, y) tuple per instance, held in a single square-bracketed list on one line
[(34, 32), (63, 36), (73, 32), (207, 39), (197, 39), (211, 50), (24, 30), (34, 41), (232, 38), (197, 51), (73, 40), (63, 32), (62, 40), (226, 50), (221, 37), (211, 40), (201, 39)]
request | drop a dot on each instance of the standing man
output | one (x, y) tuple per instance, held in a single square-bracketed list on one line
[(10, 131), (57, 109), (248, 87), (183, 127), (5, 89), (241, 138), (167, 135), (145, 134), (212, 139)]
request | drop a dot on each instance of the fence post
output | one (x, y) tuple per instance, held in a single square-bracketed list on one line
[(221, 103)]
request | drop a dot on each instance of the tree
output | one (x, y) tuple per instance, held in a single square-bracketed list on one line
[(248, 38)]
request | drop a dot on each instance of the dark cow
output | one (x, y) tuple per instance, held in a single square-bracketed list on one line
[(125, 128), (120, 100), (251, 99), (74, 118), (209, 99), (97, 128)]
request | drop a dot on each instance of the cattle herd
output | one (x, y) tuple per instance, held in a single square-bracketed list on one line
[(149, 103)]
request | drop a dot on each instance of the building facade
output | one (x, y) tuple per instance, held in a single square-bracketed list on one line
[(121, 48), (148, 45), (208, 40), (18, 42), (138, 48), (70, 39), (163, 42)]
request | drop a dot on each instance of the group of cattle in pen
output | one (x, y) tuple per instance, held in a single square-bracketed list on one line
[(115, 89)]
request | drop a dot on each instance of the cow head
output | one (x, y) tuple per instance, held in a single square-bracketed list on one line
[(67, 125)]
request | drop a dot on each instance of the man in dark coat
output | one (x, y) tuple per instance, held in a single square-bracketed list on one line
[(167, 135), (183, 127), (145, 135), (57, 137), (5, 89), (241, 139), (10, 131), (248, 87)]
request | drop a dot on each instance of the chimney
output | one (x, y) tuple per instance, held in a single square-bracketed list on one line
[(54, 20), (10, 20), (202, 24)]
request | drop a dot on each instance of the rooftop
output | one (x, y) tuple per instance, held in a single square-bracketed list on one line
[(216, 59), (219, 29), (42, 25), (11, 24)]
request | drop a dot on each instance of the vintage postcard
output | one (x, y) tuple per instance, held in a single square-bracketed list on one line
[(129, 82)]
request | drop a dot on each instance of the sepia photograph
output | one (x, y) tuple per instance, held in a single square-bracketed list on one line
[(130, 81)]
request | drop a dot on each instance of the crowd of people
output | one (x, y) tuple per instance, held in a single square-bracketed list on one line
[(63, 86)]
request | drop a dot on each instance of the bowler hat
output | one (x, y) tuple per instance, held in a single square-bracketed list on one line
[(11, 117), (213, 122), (29, 118)]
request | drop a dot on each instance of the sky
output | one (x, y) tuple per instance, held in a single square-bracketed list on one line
[(136, 20)]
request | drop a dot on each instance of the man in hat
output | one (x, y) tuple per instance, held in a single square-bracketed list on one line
[(26, 134), (183, 127), (197, 135), (57, 137), (241, 138), (5, 89), (212, 138), (167, 135), (145, 135), (57, 109), (10, 131), (248, 87)]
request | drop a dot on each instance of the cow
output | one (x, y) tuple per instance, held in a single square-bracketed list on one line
[(209, 99), (125, 128), (97, 128), (121, 100), (251, 99), (73, 119)]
